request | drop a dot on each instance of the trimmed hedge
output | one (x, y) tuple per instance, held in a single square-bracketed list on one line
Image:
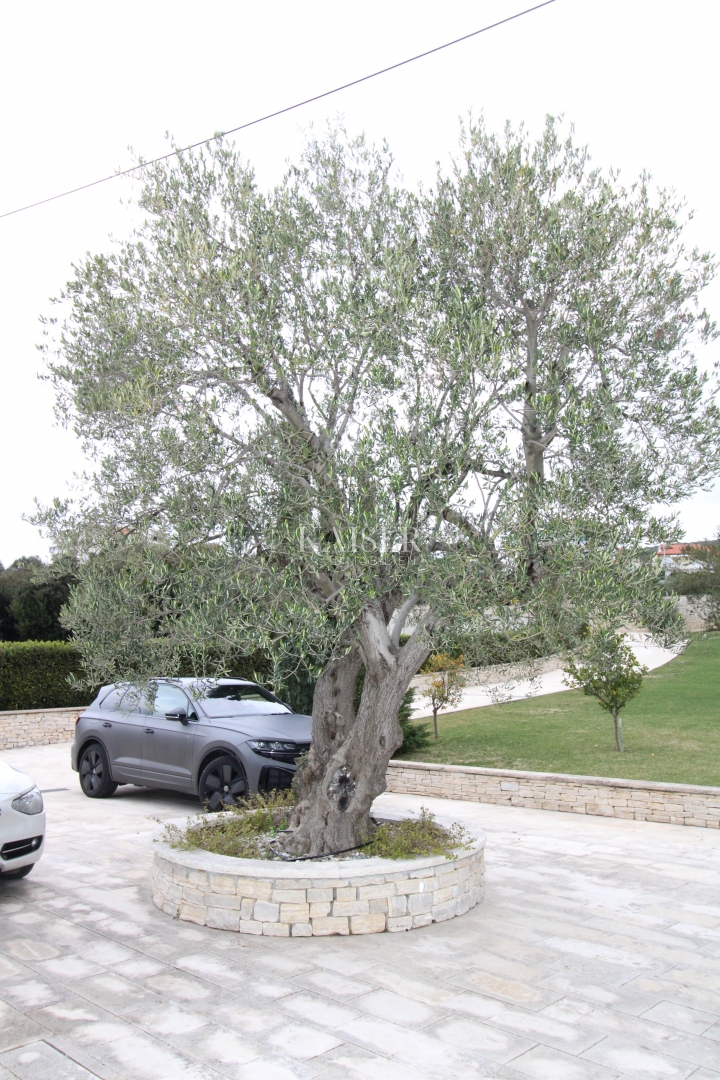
[(34, 675)]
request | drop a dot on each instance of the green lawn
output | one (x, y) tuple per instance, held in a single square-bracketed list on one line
[(672, 729)]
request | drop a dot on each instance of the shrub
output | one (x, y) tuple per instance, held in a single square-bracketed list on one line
[(243, 832), (413, 837), (35, 675), (416, 736)]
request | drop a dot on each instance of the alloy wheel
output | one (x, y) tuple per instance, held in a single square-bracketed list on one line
[(95, 779), (223, 784), (91, 771)]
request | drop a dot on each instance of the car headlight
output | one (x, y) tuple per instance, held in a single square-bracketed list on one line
[(29, 803), (269, 747)]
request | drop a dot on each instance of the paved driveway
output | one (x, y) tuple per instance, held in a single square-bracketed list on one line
[(596, 954)]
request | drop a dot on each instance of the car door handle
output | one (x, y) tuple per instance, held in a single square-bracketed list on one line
[(149, 730), (106, 723)]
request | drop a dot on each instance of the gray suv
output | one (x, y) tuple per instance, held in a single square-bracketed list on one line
[(219, 739)]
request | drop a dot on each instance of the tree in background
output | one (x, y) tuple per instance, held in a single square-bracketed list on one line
[(295, 397), (606, 668), (446, 686), (701, 584), (31, 600)]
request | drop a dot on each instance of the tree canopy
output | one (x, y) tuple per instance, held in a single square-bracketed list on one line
[(323, 410)]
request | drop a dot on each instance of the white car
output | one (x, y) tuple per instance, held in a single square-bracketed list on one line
[(22, 823)]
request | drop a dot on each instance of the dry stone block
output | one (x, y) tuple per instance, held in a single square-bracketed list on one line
[(266, 912), (276, 929), (403, 923), (324, 927), (367, 924), (294, 913)]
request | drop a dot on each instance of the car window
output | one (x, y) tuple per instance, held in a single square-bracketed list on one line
[(167, 698), (113, 699), (134, 701)]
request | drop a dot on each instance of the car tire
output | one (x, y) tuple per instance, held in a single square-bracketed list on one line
[(22, 872), (223, 784), (94, 768)]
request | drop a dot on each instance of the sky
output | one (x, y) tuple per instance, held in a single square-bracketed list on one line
[(82, 83)]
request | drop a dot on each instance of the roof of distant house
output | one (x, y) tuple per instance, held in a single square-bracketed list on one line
[(680, 549)]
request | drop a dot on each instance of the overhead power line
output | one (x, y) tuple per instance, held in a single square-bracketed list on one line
[(279, 112)]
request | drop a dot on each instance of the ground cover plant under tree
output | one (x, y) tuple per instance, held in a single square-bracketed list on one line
[(254, 830), (314, 421)]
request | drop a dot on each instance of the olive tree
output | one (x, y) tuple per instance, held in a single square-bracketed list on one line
[(606, 668), (289, 397)]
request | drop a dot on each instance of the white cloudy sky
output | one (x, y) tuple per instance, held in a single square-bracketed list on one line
[(80, 82)]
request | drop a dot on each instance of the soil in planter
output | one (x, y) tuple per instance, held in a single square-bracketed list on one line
[(248, 832)]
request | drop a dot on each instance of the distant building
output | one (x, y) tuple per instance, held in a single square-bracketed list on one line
[(679, 557)]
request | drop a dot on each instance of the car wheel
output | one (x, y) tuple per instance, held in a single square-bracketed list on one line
[(222, 783), (22, 872), (94, 768)]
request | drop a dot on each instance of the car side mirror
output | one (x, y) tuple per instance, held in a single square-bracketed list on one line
[(177, 714)]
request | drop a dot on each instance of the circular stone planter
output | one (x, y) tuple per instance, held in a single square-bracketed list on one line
[(313, 898)]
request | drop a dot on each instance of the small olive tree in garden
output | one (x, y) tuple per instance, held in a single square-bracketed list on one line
[(608, 670), (446, 686)]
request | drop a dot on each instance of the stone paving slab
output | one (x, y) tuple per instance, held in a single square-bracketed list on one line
[(595, 955)]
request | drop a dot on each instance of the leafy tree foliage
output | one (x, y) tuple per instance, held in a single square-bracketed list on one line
[(700, 584), (593, 301), (606, 668), (319, 412), (31, 601)]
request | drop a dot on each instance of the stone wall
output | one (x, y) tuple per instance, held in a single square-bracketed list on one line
[(498, 673), (637, 800), (37, 727), (315, 898), (695, 613)]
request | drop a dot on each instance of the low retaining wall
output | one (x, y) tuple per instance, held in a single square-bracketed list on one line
[(315, 899), (637, 800), (37, 727), (498, 673)]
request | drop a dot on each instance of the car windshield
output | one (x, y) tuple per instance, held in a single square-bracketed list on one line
[(240, 692), (239, 699)]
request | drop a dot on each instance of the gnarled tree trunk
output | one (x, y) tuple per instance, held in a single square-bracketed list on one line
[(345, 768)]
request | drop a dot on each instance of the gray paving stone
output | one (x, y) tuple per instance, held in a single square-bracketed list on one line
[(545, 1064), (81, 1026), (481, 1039), (631, 1058), (331, 984), (404, 1010), (317, 1010), (141, 1057), (17, 1028), (390, 1039), (571, 1038), (32, 993), (679, 1016), (302, 1041), (39, 1061)]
